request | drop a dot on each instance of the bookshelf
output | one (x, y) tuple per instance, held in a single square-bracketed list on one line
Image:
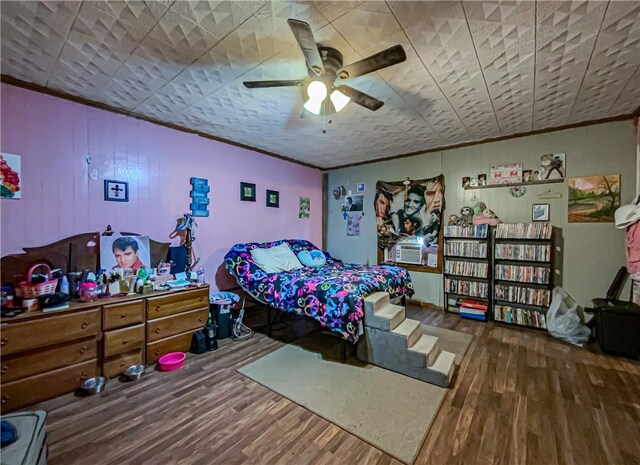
[(467, 265), (523, 274)]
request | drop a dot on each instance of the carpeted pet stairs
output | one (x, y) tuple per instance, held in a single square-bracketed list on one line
[(397, 343)]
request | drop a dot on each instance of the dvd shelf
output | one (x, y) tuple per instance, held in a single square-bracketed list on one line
[(523, 273), (467, 267)]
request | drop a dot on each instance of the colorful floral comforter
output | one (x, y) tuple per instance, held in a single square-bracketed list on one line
[(332, 294)]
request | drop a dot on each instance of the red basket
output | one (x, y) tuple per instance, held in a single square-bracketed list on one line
[(30, 291)]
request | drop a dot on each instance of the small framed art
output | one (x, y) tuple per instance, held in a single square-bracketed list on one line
[(361, 187), (540, 212), (247, 192), (116, 191), (273, 199)]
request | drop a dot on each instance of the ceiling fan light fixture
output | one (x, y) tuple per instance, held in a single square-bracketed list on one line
[(317, 90), (339, 100), (313, 106)]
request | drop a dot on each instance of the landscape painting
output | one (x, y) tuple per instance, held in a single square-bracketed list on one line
[(594, 199)]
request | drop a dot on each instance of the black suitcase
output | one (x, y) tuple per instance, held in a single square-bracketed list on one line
[(618, 327)]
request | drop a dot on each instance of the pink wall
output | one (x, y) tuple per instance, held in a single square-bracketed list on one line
[(55, 136)]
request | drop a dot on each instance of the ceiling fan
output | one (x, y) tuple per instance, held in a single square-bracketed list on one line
[(326, 70)]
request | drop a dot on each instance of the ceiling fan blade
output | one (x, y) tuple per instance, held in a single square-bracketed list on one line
[(281, 83), (380, 60), (304, 36), (361, 98)]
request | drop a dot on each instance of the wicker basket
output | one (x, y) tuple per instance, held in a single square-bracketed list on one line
[(30, 291)]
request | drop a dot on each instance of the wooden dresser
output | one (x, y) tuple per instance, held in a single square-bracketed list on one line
[(45, 355)]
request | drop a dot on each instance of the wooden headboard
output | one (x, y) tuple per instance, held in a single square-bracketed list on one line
[(76, 253)]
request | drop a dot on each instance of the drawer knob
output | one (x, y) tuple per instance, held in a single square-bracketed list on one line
[(83, 375), (3, 341), (123, 315), (5, 399), (4, 369), (83, 349), (157, 331), (200, 319), (84, 325), (158, 308), (201, 299), (125, 341), (157, 352), (122, 363)]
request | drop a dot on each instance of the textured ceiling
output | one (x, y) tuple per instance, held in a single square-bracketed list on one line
[(474, 70)]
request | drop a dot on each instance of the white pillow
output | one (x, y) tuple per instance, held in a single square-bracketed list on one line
[(276, 259)]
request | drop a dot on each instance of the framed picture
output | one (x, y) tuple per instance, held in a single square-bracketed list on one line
[(304, 207), (553, 166), (126, 252), (10, 176), (247, 192), (466, 182), (116, 191), (594, 199), (540, 212), (361, 187), (273, 199), (527, 175), (482, 179)]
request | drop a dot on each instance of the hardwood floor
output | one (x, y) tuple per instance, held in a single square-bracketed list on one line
[(520, 397)]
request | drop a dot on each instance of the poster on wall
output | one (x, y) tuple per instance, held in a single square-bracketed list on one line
[(11, 176), (126, 252), (409, 215), (353, 224), (594, 199), (304, 208)]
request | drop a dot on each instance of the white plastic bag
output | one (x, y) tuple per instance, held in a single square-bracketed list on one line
[(563, 320)]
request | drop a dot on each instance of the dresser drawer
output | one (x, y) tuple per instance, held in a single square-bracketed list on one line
[(27, 391), (176, 324), (47, 331), (115, 366), (179, 343), (123, 340), (158, 307), (121, 315), (40, 361)]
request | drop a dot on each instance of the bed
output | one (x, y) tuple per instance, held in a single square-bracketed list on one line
[(332, 294)]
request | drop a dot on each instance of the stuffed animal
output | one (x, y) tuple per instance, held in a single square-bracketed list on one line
[(453, 220), (466, 216), (478, 208)]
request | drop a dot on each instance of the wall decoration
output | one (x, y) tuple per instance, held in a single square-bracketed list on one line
[(304, 208), (553, 166), (526, 175), (466, 182), (116, 191), (474, 181), (354, 203), (339, 192), (353, 224), (517, 191), (410, 213), (10, 175), (594, 199), (540, 212), (273, 199), (199, 197), (506, 174), (247, 192), (126, 252), (361, 187), (482, 179)]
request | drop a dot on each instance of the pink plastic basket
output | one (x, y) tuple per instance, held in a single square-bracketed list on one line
[(30, 291), (172, 361)]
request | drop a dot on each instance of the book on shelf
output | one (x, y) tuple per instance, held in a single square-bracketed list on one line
[(522, 295), (482, 317), (464, 248), (523, 252), (472, 311), (470, 288), (521, 316), (524, 231), (480, 231), (523, 273), (464, 268)]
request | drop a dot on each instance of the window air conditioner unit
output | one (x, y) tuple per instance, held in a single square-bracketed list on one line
[(409, 253)]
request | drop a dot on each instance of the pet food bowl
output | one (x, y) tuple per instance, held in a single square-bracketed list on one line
[(172, 361), (94, 385), (134, 372)]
